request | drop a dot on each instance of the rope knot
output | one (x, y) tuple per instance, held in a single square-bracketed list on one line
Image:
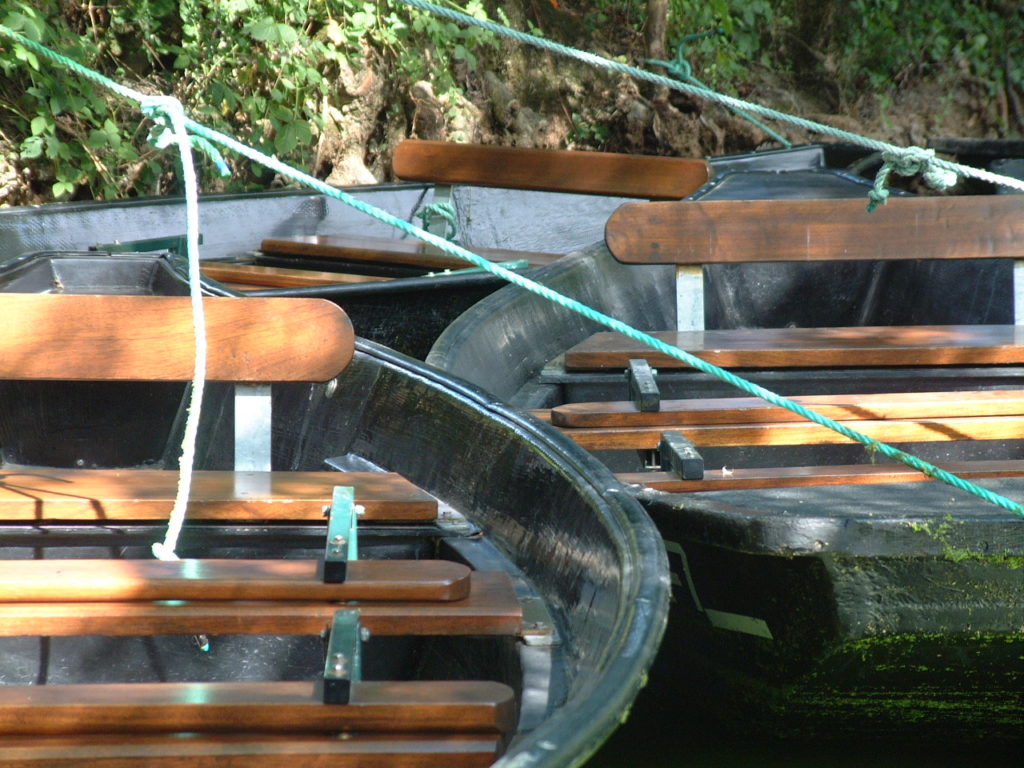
[(169, 123), (445, 211), (909, 162)]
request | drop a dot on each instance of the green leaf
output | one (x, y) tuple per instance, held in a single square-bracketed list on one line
[(62, 188), (266, 30), (41, 124), (32, 147)]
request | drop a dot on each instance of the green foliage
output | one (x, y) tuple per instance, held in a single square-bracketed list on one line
[(263, 71)]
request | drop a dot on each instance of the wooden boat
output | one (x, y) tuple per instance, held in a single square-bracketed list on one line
[(504, 602), (817, 592)]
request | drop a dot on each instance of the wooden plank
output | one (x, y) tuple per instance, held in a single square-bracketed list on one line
[(380, 250), (867, 346), (211, 579), (107, 338), (758, 478), (722, 231), (49, 495), (490, 608), (255, 707), (279, 277), (806, 433), (251, 751), (552, 170), (747, 410)]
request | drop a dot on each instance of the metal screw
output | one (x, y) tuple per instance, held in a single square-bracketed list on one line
[(364, 633), (338, 664), (338, 544)]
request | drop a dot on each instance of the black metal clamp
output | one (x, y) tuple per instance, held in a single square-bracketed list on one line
[(643, 389)]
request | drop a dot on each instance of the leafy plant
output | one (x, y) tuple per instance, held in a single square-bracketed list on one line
[(259, 70)]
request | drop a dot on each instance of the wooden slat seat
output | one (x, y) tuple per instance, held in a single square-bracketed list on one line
[(550, 170), (255, 707), (803, 432), (150, 338), (249, 276), (748, 478), (741, 231), (490, 608), (421, 750), (108, 495), (380, 250), (213, 579), (753, 410), (812, 347)]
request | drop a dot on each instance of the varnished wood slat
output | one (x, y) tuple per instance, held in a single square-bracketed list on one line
[(211, 579), (379, 250), (148, 494), (805, 433), (251, 751), (490, 608), (747, 410), (599, 173), (107, 338), (856, 347), (720, 231), (279, 277), (752, 478), (265, 708)]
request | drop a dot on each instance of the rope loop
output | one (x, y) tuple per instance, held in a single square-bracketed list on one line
[(909, 162), (166, 112), (444, 211)]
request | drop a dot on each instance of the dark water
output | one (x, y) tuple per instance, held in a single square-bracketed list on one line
[(667, 728)]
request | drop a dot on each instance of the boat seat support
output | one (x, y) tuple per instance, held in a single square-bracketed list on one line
[(344, 664), (680, 456), (643, 388), (253, 418), (342, 543)]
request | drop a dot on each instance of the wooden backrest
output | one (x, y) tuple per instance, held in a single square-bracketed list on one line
[(130, 338), (719, 231), (599, 173)]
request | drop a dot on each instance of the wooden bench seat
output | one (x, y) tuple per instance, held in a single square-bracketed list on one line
[(728, 478), (865, 346), (551, 170), (489, 608), (84, 580), (415, 706), (422, 750), (123, 495), (248, 276), (380, 250), (743, 421)]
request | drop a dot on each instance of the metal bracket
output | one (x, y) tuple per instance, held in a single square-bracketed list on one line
[(344, 664), (643, 389), (252, 427), (172, 243), (679, 455), (342, 542)]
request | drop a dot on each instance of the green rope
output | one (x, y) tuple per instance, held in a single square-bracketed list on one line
[(599, 317), (682, 70), (729, 101), (444, 210)]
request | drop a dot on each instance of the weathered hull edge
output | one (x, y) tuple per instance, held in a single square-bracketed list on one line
[(543, 542)]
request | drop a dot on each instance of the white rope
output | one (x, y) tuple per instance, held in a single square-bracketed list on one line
[(170, 118)]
